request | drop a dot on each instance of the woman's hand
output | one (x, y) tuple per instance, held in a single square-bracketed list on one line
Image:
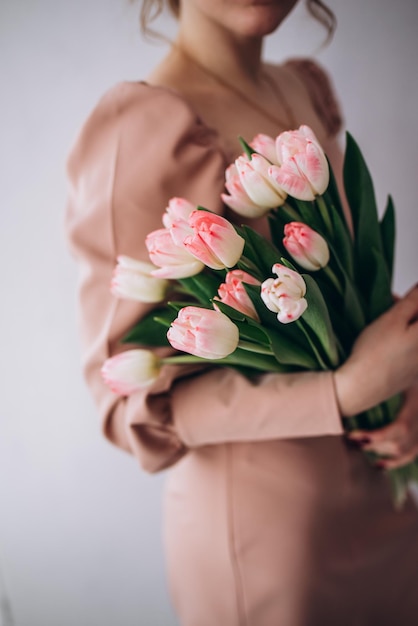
[(399, 440), (384, 359)]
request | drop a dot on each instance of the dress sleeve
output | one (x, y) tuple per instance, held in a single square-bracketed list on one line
[(321, 92), (141, 146)]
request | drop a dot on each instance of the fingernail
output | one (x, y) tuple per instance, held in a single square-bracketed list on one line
[(356, 443), (360, 442)]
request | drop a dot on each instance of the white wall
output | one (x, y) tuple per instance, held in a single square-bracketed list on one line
[(79, 523)]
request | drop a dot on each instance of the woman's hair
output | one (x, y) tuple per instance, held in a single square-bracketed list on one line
[(151, 9)]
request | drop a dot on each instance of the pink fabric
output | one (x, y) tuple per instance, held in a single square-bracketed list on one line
[(129, 159), (270, 519)]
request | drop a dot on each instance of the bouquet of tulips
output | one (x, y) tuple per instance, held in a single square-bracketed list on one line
[(229, 296)]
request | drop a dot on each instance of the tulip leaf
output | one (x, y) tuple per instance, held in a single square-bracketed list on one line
[(203, 286), (361, 198), (332, 194), (287, 352), (264, 253), (342, 244), (277, 221), (246, 147), (151, 330), (353, 311), (388, 232), (310, 215), (232, 313), (262, 362), (250, 267), (317, 318), (244, 361), (380, 299)]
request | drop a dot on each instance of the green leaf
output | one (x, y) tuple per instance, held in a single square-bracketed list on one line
[(246, 147), (232, 313), (203, 286), (310, 215), (287, 351), (388, 233), (332, 194), (317, 318), (277, 221), (238, 359), (151, 330), (264, 253), (380, 298), (353, 311), (360, 194), (342, 246)]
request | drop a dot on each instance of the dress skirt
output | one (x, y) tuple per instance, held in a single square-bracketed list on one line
[(295, 532)]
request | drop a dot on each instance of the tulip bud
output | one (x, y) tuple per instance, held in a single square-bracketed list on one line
[(172, 260), (232, 292), (284, 295), (304, 171), (214, 241), (238, 199), (255, 179), (133, 280), (266, 146), (131, 370), (204, 333), (176, 219), (307, 247)]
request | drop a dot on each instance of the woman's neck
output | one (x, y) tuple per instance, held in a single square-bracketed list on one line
[(235, 59)]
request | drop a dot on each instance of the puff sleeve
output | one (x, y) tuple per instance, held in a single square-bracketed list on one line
[(141, 146)]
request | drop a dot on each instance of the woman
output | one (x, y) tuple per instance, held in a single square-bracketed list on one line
[(270, 517)]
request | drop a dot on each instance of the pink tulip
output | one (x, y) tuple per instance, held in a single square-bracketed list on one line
[(306, 246), (176, 219), (204, 333), (266, 146), (284, 295), (214, 241), (303, 172), (133, 280), (258, 184), (131, 370), (232, 292), (172, 260), (238, 199)]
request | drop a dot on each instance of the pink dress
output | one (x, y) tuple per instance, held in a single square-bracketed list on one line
[(270, 518)]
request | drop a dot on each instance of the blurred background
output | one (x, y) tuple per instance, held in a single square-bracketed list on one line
[(79, 521)]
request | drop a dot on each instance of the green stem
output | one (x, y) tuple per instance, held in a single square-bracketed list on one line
[(290, 212), (253, 347), (334, 280), (323, 209), (315, 350), (243, 358)]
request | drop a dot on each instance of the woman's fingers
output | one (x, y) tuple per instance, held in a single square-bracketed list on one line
[(399, 461), (407, 307), (389, 440), (398, 440)]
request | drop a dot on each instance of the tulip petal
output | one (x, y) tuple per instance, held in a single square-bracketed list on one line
[(130, 371), (133, 280), (288, 176), (174, 260), (203, 332)]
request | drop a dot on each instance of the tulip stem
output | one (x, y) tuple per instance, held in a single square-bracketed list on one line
[(299, 322), (323, 209), (334, 280), (290, 211), (253, 347)]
